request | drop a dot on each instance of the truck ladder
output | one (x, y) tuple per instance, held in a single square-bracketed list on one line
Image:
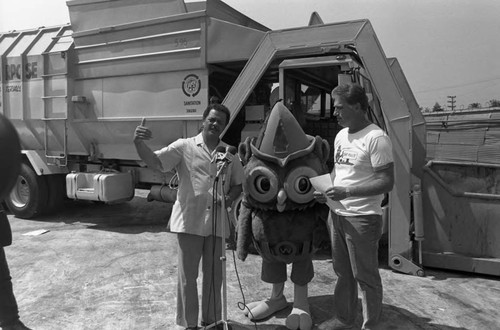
[(61, 159)]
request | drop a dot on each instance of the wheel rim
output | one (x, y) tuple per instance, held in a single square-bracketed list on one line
[(20, 194)]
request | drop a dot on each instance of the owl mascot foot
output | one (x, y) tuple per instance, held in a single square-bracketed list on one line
[(300, 317), (260, 310)]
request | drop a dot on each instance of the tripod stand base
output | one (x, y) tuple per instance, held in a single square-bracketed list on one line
[(219, 325)]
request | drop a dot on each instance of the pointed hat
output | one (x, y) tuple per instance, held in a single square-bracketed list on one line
[(281, 139)]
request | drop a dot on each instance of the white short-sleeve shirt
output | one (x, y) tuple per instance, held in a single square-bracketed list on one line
[(357, 157), (192, 210)]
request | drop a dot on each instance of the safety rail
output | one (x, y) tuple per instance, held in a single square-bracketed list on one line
[(450, 189)]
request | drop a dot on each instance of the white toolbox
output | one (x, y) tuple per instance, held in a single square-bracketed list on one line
[(104, 187)]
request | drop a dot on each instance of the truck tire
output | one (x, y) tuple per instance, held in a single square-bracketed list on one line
[(28, 197)]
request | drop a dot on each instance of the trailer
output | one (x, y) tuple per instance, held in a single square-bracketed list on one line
[(461, 185), (75, 94)]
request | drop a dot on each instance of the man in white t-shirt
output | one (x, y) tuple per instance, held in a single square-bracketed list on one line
[(363, 173)]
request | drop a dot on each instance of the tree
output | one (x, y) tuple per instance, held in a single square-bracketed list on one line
[(494, 103), (475, 105), (437, 107)]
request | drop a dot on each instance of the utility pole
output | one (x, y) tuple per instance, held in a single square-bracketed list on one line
[(451, 102)]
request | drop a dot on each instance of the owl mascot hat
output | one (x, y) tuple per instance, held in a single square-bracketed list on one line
[(279, 214)]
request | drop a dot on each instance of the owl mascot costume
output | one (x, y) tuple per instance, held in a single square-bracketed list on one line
[(278, 213)]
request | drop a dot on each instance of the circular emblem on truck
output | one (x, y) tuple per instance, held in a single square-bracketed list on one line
[(191, 85)]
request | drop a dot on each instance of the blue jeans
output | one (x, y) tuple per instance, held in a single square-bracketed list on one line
[(355, 261)]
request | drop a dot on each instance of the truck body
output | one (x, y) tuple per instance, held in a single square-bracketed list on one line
[(75, 93)]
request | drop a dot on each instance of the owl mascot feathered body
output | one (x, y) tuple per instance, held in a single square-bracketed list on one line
[(278, 213)]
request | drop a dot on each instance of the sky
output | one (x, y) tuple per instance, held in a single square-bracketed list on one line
[(445, 47)]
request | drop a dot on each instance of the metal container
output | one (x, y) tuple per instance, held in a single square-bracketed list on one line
[(461, 204)]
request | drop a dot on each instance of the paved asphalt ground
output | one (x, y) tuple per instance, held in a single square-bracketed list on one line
[(114, 267)]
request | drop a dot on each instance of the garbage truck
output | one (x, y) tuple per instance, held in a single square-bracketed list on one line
[(76, 92)]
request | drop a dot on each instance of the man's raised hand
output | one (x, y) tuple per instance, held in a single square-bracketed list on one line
[(142, 132)]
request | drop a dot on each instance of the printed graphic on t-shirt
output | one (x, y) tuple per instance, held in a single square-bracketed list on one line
[(344, 156)]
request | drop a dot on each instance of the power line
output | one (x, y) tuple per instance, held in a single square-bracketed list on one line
[(458, 85)]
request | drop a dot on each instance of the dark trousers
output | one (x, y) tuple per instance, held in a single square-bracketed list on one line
[(9, 312), (192, 249), (355, 261)]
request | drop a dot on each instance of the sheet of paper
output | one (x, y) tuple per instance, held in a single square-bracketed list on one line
[(322, 183), (36, 232)]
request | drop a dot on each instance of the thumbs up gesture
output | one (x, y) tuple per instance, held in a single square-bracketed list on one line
[(142, 132)]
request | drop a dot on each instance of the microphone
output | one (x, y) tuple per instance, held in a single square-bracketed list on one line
[(219, 154), (224, 157)]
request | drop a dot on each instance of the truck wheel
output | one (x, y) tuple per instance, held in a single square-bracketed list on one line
[(28, 197)]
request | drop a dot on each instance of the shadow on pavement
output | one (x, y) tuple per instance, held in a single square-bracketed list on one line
[(132, 217), (393, 318)]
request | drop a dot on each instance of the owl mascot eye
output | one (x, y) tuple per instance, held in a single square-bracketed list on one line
[(279, 214)]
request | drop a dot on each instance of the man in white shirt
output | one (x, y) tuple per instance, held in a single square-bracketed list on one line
[(191, 218), (363, 173)]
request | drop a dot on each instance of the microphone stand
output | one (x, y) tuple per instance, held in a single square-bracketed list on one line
[(220, 185)]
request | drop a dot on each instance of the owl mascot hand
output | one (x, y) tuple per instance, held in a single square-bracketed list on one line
[(278, 213)]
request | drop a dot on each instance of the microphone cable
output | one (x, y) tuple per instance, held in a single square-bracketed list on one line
[(241, 304)]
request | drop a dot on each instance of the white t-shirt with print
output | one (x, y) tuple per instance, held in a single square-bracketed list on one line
[(357, 157)]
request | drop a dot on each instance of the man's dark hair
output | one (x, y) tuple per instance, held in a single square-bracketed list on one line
[(214, 100), (352, 93), (217, 107)]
